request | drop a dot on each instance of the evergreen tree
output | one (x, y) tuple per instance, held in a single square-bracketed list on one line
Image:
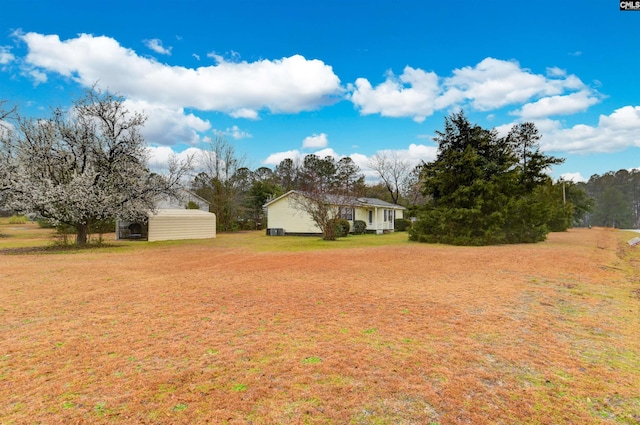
[(483, 189)]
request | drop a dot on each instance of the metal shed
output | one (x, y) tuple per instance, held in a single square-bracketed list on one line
[(174, 224)]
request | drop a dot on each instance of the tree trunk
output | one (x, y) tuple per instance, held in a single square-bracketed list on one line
[(83, 234), (329, 232)]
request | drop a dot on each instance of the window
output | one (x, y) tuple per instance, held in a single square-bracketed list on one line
[(370, 217), (385, 215), (346, 213)]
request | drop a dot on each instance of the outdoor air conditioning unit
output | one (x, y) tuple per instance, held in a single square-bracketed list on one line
[(275, 232)]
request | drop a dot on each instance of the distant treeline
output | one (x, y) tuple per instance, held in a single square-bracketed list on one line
[(616, 196)]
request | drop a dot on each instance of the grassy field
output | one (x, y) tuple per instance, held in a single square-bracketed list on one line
[(249, 329)]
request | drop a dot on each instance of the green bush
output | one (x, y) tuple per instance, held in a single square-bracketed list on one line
[(17, 219), (341, 227), (44, 223), (359, 227), (107, 225), (402, 224)]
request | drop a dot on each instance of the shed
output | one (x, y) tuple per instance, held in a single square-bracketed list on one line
[(174, 224), (171, 220)]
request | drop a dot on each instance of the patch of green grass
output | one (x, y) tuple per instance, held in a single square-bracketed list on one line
[(17, 219), (100, 408), (180, 407), (164, 391), (30, 236), (258, 241), (616, 408), (312, 360), (239, 387)]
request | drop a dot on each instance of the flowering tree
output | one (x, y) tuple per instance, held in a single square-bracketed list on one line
[(81, 166)]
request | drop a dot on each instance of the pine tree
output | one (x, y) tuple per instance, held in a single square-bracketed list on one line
[(484, 189)]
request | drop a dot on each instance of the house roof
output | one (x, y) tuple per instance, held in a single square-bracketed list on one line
[(353, 201), (191, 195), (375, 202), (183, 197)]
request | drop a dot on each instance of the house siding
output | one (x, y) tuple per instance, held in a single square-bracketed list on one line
[(283, 214)]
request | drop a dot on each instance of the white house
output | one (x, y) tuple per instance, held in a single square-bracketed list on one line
[(283, 217), (172, 220)]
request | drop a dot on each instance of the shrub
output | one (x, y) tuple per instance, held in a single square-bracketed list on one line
[(359, 227), (63, 231), (44, 223), (107, 225), (17, 219), (402, 224), (341, 226)]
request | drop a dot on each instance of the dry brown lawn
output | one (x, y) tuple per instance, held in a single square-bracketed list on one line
[(219, 332)]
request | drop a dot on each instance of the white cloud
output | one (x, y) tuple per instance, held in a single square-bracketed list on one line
[(156, 45), (414, 154), (316, 141), (168, 126), (412, 94), (234, 132), (287, 85), (495, 83), (554, 71), (573, 177), (38, 76), (417, 153), (250, 114), (227, 57), (216, 57), (615, 132), (489, 85), (323, 153), (5, 55), (558, 105), (158, 157), (276, 158)]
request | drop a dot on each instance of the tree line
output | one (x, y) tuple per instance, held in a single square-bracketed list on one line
[(89, 163), (616, 198)]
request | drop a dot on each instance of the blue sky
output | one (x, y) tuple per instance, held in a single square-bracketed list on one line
[(287, 78)]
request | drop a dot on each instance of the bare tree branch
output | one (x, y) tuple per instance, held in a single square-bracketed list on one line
[(392, 170)]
